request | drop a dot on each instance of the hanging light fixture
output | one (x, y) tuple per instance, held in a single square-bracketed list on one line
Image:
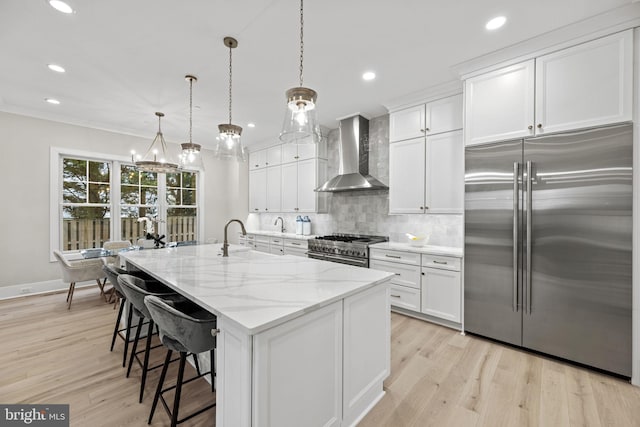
[(300, 124), (190, 155), (228, 144), (155, 159)]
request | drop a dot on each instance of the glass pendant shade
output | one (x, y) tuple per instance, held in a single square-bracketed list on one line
[(300, 123), (156, 159), (228, 144)]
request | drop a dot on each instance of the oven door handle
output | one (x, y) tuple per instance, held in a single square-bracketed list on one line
[(363, 262)]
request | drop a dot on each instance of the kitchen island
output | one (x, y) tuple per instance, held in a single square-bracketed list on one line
[(301, 341)]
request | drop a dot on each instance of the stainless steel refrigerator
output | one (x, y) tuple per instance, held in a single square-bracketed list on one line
[(547, 257)]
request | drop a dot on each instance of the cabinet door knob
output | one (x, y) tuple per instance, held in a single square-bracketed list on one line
[(422, 273), (257, 166), (422, 130), (421, 208), (255, 209), (530, 127), (539, 125), (427, 129), (266, 209)]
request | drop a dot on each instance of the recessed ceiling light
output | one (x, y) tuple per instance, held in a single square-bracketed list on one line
[(369, 75), (52, 101), (496, 23), (251, 125), (56, 68), (60, 6)]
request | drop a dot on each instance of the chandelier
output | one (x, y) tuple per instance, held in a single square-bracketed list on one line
[(155, 159)]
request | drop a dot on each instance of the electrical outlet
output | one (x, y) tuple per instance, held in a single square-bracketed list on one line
[(25, 290)]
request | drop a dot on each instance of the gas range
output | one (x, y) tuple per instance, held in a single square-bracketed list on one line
[(352, 249)]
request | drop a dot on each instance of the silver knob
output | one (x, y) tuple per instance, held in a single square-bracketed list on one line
[(539, 125), (427, 129), (530, 127)]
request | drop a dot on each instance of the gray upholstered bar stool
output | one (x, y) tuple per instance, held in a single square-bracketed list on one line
[(135, 290), (112, 273), (189, 329)]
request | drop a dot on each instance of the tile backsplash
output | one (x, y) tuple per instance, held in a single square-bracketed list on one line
[(366, 212)]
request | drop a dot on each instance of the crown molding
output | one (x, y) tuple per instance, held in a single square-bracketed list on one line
[(609, 22), (429, 94)]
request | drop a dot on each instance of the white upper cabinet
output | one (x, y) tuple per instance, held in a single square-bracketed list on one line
[(407, 123), (406, 176), (499, 104), (258, 190), (273, 189), (289, 153), (444, 186), (295, 152), (257, 159), (289, 187), (586, 85), (299, 180), (274, 155), (442, 115)]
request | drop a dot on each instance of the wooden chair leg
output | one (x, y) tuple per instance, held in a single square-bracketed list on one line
[(72, 288)]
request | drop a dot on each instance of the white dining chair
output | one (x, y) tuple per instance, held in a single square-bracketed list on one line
[(80, 271)]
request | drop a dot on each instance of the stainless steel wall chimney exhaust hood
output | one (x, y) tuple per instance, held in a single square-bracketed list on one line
[(353, 172)]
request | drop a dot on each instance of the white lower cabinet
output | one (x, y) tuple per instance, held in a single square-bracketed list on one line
[(295, 247), (276, 246), (423, 283), (324, 368), (442, 287)]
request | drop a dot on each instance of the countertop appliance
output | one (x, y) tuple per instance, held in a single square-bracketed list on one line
[(548, 224), (351, 249)]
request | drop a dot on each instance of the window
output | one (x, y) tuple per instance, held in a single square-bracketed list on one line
[(182, 208), (86, 204), (89, 189), (138, 198)]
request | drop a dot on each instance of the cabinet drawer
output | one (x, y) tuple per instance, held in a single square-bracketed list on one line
[(395, 256), (250, 237), (295, 243), (262, 247), (295, 251), (276, 241), (262, 239), (442, 262), (276, 250), (404, 297), (405, 275)]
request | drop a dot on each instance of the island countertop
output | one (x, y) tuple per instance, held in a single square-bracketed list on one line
[(255, 290)]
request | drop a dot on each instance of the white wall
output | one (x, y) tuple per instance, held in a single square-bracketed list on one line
[(24, 216)]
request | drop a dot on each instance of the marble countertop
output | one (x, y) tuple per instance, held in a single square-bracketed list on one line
[(283, 235), (427, 249), (253, 289)]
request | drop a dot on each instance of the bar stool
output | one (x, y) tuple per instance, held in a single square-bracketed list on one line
[(135, 289), (112, 273), (189, 329)]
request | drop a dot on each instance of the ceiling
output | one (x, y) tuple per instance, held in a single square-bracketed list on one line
[(126, 59)]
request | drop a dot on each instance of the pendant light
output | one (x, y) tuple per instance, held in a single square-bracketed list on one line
[(156, 159), (190, 155), (228, 144), (300, 124)]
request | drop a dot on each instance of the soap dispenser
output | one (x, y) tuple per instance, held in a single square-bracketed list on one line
[(306, 226), (298, 224)]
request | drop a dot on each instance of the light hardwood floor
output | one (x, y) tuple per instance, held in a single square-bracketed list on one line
[(438, 377)]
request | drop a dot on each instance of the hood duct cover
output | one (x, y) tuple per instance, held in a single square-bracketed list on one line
[(353, 146)]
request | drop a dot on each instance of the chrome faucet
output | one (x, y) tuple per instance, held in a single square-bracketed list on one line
[(281, 223), (225, 245)]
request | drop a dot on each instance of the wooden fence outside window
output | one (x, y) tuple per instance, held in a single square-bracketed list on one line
[(92, 233)]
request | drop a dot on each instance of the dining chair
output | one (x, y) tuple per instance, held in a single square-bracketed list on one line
[(80, 271)]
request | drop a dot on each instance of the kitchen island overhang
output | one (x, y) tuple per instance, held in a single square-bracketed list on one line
[(300, 340)]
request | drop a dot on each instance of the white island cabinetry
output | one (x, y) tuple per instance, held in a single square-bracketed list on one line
[(300, 341)]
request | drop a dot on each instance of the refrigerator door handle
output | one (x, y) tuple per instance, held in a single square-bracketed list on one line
[(528, 236), (516, 208)]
